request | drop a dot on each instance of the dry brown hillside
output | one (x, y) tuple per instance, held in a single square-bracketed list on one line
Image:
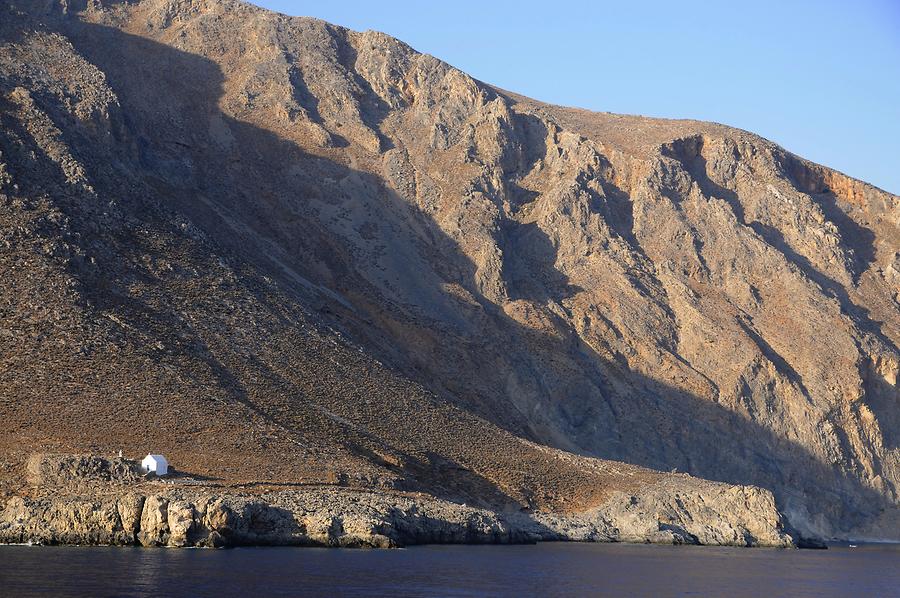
[(283, 252)]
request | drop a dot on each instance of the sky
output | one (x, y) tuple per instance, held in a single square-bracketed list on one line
[(821, 78)]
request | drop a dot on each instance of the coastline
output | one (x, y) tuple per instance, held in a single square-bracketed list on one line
[(716, 514)]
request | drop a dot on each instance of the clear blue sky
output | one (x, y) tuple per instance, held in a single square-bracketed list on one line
[(821, 78)]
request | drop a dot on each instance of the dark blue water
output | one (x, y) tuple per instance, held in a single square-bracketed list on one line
[(542, 570)]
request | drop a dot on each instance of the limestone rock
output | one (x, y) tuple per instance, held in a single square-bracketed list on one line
[(180, 522), (695, 512), (154, 527)]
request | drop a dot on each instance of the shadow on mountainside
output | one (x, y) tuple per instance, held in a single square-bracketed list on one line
[(275, 232)]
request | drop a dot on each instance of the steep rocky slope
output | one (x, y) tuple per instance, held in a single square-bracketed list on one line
[(284, 252)]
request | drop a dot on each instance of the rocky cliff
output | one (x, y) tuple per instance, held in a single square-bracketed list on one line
[(92, 500), (284, 252)]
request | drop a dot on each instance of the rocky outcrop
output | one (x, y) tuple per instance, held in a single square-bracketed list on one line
[(70, 471), (711, 514), (696, 512)]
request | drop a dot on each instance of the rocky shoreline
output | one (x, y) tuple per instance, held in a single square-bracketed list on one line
[(91, 501)]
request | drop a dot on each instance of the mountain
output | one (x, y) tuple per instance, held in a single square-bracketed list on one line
[(285, 253)]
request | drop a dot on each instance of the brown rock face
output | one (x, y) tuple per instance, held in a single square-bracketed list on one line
[(280, 251)]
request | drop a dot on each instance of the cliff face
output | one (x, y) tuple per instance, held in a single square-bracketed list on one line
[(232, 235), (92, 500)]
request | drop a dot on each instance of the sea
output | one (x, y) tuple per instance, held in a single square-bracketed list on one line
[(547, 569)]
